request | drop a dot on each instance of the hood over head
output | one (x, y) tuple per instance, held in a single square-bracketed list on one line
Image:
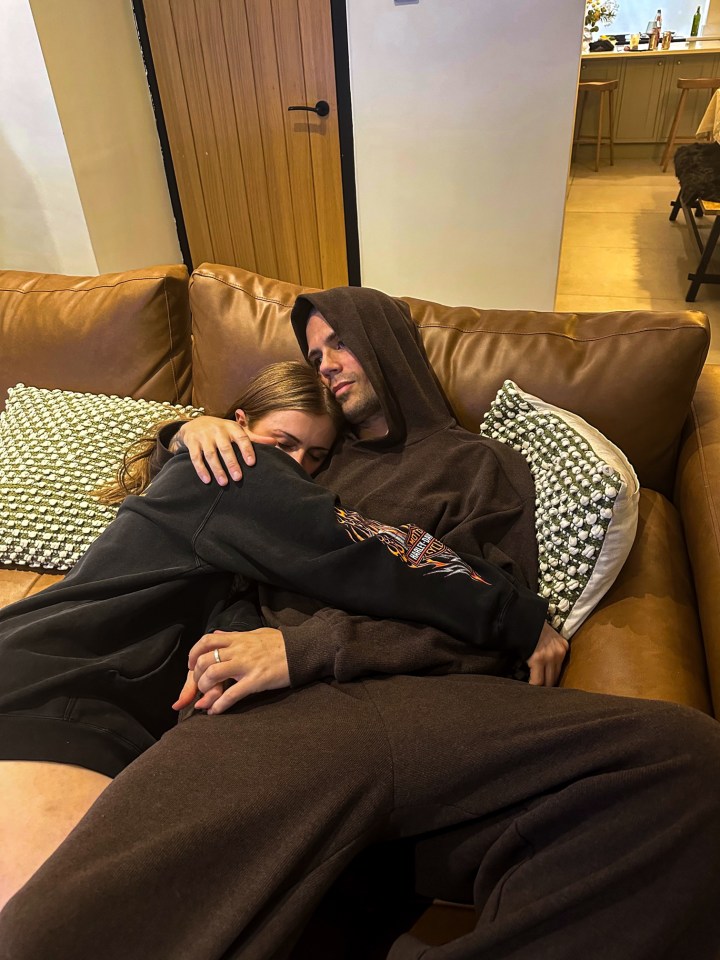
[(378, 329)]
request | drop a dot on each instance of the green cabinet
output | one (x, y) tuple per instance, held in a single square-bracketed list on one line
[(647, 94), (640, 99), (696, 101)]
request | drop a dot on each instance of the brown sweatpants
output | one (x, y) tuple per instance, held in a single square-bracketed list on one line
[(592, 826)]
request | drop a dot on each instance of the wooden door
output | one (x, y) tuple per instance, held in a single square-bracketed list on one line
[(260, 187)]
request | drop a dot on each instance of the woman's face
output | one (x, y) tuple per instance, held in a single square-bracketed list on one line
[(306, 437)]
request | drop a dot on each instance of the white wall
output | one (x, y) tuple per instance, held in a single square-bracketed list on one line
[(463, 114), (98, 78), (42, 225), (82, 183), (711, 20)]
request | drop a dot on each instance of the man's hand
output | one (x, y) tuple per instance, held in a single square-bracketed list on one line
[(547, 660), (209, 441), (255, 659)]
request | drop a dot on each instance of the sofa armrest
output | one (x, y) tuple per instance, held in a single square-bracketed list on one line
[(697, 496), (644, 637)]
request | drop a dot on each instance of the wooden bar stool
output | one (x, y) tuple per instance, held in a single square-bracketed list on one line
[(684, 86), (605, 88)]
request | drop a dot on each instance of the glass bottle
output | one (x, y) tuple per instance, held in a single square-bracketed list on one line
[(695, 23), (654, 37)]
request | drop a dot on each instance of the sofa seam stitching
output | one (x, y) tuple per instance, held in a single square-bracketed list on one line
[(170, 337), (704, 471), (99, 286), (441, 326), (554, 333), (236, 286)]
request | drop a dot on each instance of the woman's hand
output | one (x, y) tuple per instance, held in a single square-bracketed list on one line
[(547, 659), (255, 659), (209, 441), (189, 692)]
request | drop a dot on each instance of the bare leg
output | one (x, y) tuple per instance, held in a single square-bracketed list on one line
[(40, 803)]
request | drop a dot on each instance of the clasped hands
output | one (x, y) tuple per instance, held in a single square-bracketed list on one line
[(254, 659)]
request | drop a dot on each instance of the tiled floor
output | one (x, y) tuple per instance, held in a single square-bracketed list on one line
[(620, 251)]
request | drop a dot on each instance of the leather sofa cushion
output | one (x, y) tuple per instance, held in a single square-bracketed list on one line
[(240, 322), (123, 333), (644, 640), (630, 374), (698, 498), (18, 584)]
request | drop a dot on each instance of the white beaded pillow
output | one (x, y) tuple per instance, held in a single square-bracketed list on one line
[(586, 500), (56, 447)]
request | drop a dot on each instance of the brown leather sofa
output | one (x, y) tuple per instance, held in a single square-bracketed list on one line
[(637, 376)]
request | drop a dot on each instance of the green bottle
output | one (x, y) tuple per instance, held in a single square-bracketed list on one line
[(695, 24)]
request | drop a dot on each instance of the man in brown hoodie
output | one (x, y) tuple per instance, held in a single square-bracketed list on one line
[(579, 824)]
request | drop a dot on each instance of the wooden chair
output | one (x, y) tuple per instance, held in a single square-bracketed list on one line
[(604, 88), (697, 167), (685, 85)]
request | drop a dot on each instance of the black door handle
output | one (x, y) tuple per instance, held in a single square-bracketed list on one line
[(321, 108)]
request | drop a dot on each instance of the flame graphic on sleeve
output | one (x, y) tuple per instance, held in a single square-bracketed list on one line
[(413, 545)]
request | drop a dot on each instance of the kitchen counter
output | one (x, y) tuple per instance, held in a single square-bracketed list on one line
[(683, 48), (647, 95)]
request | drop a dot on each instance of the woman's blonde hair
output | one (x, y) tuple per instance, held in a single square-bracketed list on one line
[(287, 385)]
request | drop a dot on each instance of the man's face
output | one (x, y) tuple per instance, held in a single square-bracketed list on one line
[(341, 372)]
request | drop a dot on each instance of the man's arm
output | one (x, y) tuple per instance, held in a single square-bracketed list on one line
[(548, 657), (209, 441), (261, 659), (336, 644)]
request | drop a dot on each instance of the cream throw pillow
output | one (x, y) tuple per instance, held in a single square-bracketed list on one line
[(587, 498), (56, 447)]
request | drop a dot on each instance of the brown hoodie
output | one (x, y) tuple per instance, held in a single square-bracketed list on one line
[(473, 493)]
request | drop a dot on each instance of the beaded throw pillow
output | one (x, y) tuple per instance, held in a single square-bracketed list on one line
[(56, 447), (586, 502)]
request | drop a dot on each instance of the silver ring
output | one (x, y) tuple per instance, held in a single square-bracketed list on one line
[(216, 654)]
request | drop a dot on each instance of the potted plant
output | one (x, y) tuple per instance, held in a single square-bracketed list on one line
[(597, 12)]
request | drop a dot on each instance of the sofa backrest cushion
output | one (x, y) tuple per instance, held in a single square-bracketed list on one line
[(121, 333), (240, 322), (631, 375)]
